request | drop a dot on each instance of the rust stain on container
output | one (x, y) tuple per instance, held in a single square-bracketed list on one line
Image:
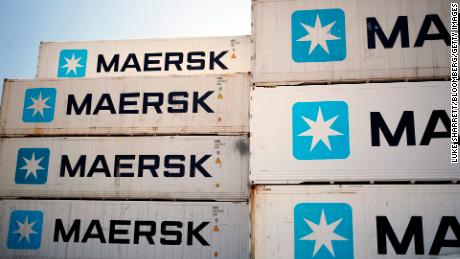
[(38, 131), (218, 161), (216, 228)]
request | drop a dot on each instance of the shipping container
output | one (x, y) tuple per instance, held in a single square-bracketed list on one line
[(183, 167), (307, 41), (123, 229), (145, 57), (346, 222), (355, 132), (127, 106)]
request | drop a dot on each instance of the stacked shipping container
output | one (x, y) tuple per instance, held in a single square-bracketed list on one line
[(369, 140), (174, 127), (336, 167), (352, 41), (332, 137), (170, 105), (358, 221)]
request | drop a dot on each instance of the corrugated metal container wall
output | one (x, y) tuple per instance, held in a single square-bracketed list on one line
[(344, 222), (308, 41), (200, 167), (145, 57), (129, 106), (365, 132), (128, 229)]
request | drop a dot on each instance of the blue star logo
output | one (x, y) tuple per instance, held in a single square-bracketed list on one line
[(25, 229), (32, 166), (39, 104), (323, 230), (72, 63), (320, 130), (318, 35)]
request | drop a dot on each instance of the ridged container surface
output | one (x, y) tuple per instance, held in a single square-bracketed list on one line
[(355, 132), (309, 41), (356, 221), (123, 229), (178, 168), (211, 104), (145, 57)]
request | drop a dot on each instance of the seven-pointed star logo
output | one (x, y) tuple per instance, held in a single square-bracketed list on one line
[(323, 234), (320, 130), (39, 105), (25, 229), (318, 35), (32, 165), (72, 64), (323, 230)]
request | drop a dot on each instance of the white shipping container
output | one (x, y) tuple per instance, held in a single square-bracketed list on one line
[(183, 167), (127, 106), (145, 57), (308, 41), (346, 222), (123, 229), (360, 132)]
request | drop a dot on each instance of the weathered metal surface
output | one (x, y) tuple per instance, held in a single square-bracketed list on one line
[(127, 106), (123, 229), (182, 167), (358, 132), (145, 57), (309, 41), (367, 221)]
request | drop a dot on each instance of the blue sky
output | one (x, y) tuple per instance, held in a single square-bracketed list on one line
[(25, 23)]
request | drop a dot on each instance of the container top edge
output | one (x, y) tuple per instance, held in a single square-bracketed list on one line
[(147, 39)]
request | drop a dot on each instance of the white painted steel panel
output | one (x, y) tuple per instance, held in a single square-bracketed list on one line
[(129, 106), (222, 227), (281, 59), (284, 220), (183, 167), (145, 57), (284, 148)]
